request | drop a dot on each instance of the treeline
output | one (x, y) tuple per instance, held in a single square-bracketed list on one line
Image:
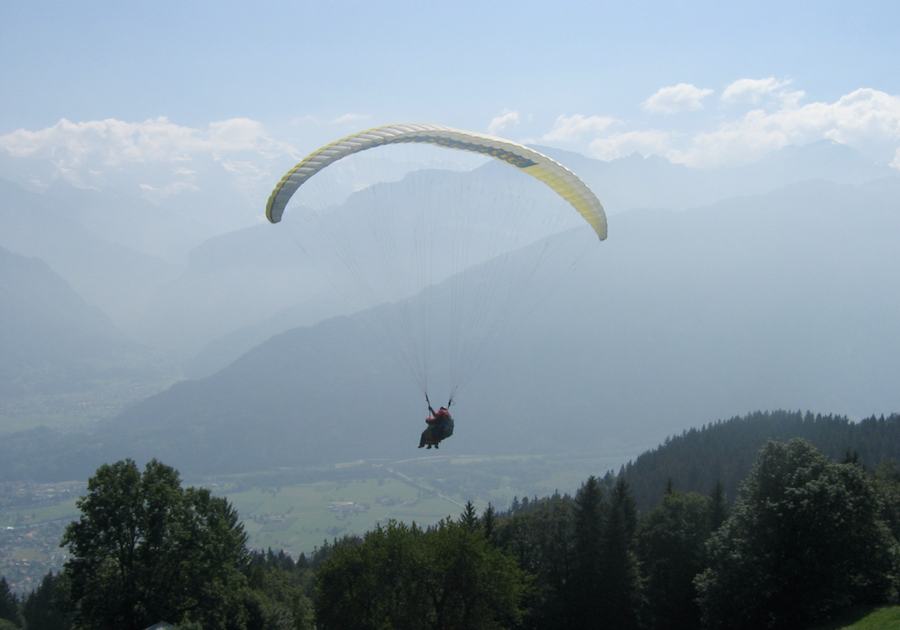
[(809, 537), (808, 540), (275, 593), (724, 451)]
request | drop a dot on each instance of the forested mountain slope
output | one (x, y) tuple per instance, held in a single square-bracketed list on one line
[(65, 229), (725, 450)]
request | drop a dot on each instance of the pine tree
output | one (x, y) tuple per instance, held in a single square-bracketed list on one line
[(672, 551), (42, 608), (9, 604), (470, 517), (586, 586), (489, 521), (621, 578), (542, 542), (719, 507)]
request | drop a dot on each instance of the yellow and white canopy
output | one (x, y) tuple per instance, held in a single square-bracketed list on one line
[(563, 181)]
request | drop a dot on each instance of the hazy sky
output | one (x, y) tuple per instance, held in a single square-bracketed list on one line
[(187, 103), (90, 85)]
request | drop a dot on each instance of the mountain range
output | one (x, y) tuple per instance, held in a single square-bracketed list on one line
[(781, 301), (51, 340), (752, 289)]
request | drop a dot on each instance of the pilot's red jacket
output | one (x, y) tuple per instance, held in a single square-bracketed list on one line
[(439, 416)]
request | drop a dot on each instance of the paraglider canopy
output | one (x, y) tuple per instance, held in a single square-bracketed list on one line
[(568, 185)]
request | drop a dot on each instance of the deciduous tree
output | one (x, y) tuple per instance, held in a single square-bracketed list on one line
[(405, 578), (145, 550), (803, 542)]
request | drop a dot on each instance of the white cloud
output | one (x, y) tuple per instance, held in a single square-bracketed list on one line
[(168, 158), (171, 189), (867, 120), (755, 90), (623, 144), (501, 122), (237, 134), (676, 98), (115, 141), (571, 128), (350, 118), (303, 120), (84, 151)]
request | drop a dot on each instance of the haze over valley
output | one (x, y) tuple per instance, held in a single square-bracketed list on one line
[(767, 286)]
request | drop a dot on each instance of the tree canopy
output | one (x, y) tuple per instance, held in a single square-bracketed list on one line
[(803, 542), (403, 577), (671, 547), (145, 550)]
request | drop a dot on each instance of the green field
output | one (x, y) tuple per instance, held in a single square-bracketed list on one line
[(298, 516), (34, 516), (881, 618), (301, 517), (29, 555), (80, 410)]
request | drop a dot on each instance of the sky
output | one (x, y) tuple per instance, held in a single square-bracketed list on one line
[(190, 101), (90, 86)]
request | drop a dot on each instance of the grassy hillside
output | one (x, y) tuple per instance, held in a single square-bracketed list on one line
[(880, 618)]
